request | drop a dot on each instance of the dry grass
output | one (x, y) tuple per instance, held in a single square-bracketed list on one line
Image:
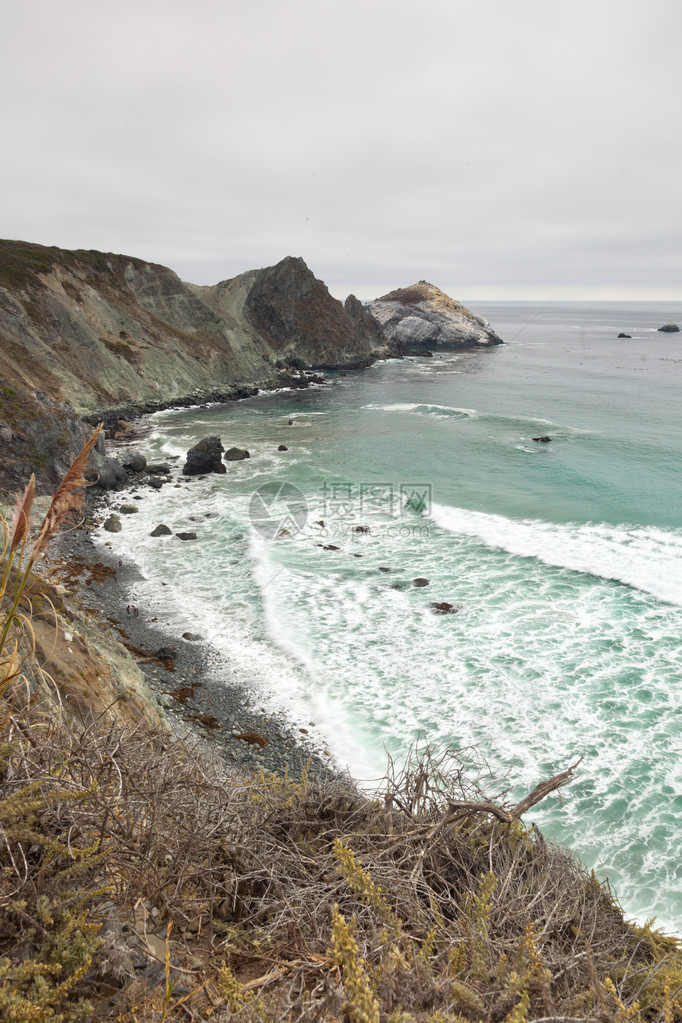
[(303, 901)]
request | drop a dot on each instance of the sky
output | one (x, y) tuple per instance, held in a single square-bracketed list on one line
[(498, 150)]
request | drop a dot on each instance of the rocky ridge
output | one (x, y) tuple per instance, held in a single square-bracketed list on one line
[(423, 316), (94, 335)]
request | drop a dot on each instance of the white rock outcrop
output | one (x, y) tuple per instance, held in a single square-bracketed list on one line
[(423, 316)]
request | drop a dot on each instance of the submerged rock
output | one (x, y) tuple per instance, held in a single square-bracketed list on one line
[(186, 536), (542, 440), (206, 456), (236, 454), (443, 608)]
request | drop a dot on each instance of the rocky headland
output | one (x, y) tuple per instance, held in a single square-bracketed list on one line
[(423, 316), (92, 336), (106, 337)]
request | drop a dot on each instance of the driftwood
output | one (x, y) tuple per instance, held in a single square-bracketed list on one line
[(466, 807)]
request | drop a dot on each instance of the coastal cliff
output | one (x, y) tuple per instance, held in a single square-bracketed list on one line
[(99, 335)]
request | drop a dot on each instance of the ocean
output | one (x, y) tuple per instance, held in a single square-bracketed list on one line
[(562, 561)]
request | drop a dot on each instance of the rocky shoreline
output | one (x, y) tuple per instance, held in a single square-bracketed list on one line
[(187, 676)]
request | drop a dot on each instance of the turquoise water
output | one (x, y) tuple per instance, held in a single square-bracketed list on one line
[(565, 560)]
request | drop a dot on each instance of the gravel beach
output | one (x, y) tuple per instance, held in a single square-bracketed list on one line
[(186, 674)]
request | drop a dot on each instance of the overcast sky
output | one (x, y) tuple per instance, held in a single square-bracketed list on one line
[(497, 149)]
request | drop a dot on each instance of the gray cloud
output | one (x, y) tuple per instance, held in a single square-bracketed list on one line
[(489, 147)]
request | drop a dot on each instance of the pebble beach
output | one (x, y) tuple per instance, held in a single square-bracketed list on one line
[(186, 675)]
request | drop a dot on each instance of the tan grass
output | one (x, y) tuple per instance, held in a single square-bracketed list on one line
[(67, 498), (20, 523)]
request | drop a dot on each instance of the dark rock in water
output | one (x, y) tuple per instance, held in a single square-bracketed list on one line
[(155, 483), (542, 440), (669, 328), (319, 522), (105, 473), (398, 586), (191, 637), (356, 555), (291, 422), (625, 335), (329, 547), (420, 582), (362, 529), (161, 530), (282, 447), (159, 469), (128, 509), (186, 536), (112, 524), (236, 454), (382, 568), (166, 653), (443, 608), (205, 457), (134, 462)]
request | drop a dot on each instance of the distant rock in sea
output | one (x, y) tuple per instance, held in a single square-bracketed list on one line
[(423, 316), (669, 328), (626, 335)]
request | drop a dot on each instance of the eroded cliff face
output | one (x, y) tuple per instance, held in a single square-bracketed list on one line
[(89, 334), (423, 316)]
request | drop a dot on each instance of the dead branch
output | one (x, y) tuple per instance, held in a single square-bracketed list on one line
[(465, 807)]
